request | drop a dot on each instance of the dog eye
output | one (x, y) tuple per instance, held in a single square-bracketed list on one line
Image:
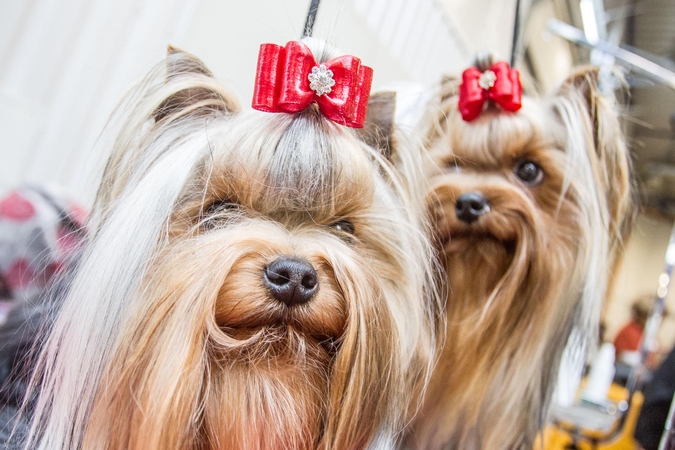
[(452, 164), (529, 172), (215, 214), (344, 226), (220, 206)]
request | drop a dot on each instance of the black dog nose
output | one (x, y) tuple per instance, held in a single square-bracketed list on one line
[(470, 206), (291, 280)]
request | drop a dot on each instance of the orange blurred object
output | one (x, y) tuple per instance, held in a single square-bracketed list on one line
[(566, 436)]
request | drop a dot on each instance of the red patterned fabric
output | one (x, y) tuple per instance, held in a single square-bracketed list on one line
[(14, 207), (18, 275), (39, 232)]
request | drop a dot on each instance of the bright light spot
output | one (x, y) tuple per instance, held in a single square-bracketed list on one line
[(589, 21), (664, 279)]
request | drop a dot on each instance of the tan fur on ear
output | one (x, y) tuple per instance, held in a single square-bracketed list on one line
[(187, 63), (449, 87), (611, 159), (198, 99), (379, 128), (446, 96)]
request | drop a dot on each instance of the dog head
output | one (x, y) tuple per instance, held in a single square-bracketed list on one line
[(529, 209), (253, 281)]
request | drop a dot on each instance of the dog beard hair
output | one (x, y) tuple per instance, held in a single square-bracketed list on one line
[(531, 272), (170, 336)]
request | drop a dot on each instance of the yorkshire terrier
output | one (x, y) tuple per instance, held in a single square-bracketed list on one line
[(252, 281), (530, 207)]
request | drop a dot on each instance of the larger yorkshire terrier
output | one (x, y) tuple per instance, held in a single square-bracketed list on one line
[(252, 280), (531, 202)]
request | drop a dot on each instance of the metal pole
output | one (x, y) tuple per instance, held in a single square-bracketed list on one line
[(648, 343), (636, 62), (311, 17), (668, 436), (516, 34)]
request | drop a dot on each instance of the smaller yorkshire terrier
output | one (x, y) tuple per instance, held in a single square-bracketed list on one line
[(251, 280), (530, 201)]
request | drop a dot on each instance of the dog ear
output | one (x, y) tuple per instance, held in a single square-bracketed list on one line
[(202, 96), (378, 132), (443, 103), (449, 87), (189, 63), (610, 152), (179, 87)]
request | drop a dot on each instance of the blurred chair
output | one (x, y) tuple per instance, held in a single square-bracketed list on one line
[(587, 427)]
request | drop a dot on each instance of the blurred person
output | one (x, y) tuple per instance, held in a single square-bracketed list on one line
[(628, 339)]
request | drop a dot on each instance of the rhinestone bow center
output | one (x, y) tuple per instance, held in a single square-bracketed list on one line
[(487, 79), (321, 80)]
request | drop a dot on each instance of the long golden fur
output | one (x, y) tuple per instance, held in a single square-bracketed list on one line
[(527, 276), (169, 337)]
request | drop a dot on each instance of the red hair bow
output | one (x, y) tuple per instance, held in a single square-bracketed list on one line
[(500, 83), (288, 79)]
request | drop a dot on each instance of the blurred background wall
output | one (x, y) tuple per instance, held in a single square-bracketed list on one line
[(64, 64)]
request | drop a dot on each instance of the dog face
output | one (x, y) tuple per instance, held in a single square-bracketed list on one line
[(292, 227), (293, 269), (264, 280), (501, 185), (528, 210)]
